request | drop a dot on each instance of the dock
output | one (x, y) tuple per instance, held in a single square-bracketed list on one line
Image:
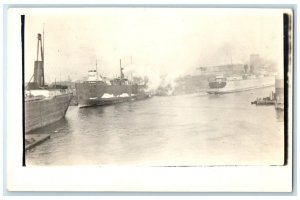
[(32, 140)]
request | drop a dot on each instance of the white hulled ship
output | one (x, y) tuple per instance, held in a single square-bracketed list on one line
[(238, 83)]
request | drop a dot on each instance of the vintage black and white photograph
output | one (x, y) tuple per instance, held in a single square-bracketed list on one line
[(154, 87)]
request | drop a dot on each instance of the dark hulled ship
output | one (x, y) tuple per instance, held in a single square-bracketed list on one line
[(44, 104), (98, 90)]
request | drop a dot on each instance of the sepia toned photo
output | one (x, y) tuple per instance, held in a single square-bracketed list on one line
[(154, 87), (108, 99)]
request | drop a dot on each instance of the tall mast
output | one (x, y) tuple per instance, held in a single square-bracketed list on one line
[(42, 46), (120, 69), (230, 56), (37, 49), (131, 66), (96, 69), (43, 59)]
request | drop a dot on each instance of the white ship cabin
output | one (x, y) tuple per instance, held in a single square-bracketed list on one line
[(234, 78), (94, 77), (252, 76), (218, 78)]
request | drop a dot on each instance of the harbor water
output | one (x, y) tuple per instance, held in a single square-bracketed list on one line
[(185, 130)]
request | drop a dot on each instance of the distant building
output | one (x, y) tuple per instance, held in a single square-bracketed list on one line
[(222, 69), (255, 65), (254, 62)]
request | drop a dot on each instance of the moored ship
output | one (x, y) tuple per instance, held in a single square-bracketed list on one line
[(221, 84), (44, 104), (98, 90), (279, 93)]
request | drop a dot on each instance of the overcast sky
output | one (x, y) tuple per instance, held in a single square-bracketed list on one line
[(159, 41)]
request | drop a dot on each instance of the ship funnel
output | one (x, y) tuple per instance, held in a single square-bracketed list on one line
[(39, 64), (38, 73), (246, 69), (121, 70)]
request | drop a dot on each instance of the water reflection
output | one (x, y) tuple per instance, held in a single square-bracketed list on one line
[(83, 112), (280, 115), (173, 130), (59, 127)]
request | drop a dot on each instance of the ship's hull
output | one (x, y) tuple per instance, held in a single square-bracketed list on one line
[(243, 85), (93, 94), (102, 102), (40, 113)]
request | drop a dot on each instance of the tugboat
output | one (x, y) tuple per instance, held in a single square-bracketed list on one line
[(265, 100)]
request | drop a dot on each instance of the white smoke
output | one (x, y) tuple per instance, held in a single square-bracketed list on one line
[(153, 78)]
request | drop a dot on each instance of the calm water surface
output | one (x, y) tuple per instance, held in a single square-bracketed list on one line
[(196, 129)]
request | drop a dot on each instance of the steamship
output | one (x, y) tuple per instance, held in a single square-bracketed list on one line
[(98, 90), (43, 104), (238, 83)]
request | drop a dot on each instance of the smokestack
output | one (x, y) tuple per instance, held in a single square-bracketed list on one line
[(121, 71), (246, 69), (254, 62), (38, 73), (39, 64)]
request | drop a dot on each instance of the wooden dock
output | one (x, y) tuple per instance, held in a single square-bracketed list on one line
[(32, 140)]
